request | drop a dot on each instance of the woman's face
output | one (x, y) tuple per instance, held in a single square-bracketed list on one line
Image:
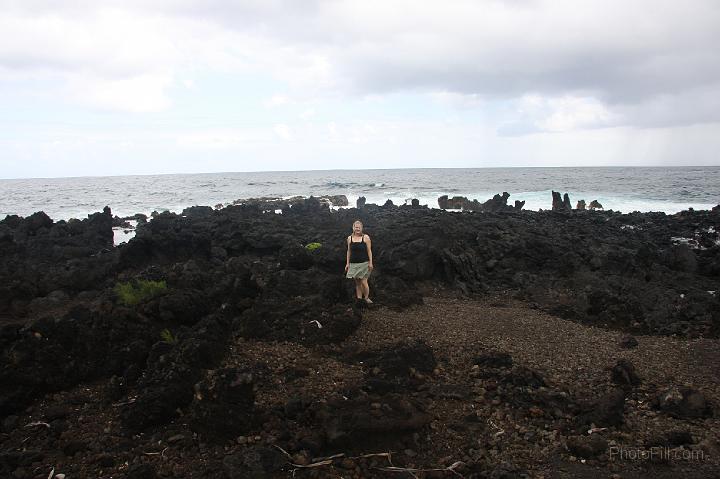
[(357, 227)]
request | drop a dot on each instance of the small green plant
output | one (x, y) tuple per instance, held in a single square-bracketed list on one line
[(135, 292), (168, 337), (313, 246)]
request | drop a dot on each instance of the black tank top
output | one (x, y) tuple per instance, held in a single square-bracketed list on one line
[(358, 251)]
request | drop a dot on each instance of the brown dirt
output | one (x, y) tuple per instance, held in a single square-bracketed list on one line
[(571, 357)]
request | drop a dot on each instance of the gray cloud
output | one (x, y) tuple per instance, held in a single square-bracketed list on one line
[(652, 63)]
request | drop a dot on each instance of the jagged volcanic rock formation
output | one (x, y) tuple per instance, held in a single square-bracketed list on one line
[(494, 204), (244, 271), (629, 271)]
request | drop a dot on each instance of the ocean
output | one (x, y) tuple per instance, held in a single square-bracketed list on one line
[(621, 189)]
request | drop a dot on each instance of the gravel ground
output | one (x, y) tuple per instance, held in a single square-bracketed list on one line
[(502, 435), (568, 352), (571, 357)]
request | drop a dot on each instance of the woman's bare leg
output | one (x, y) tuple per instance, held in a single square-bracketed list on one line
[(365, 289), (359, 288)]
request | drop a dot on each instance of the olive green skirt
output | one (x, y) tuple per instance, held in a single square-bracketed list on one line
[(358, 270)]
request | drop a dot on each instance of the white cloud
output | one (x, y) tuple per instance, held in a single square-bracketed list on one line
[(277, 100), (535, 113), (308, 114), (332, 129), (231, 139), (211, 139), (138, 94), (569, 113), (107, 59), (458, 100), (283, 131), (574, 113), (624, 55)]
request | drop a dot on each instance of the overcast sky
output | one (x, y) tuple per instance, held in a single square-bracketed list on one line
[(161, 86)]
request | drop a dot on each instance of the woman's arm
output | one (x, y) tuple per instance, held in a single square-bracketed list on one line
[(369, 251), (347, 256)]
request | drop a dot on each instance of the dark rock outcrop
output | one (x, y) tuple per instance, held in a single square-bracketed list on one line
[(670, 439), (39, 257), (605, 411), (683, 402), (494, 359), (397, 360), (304, 319), (222, 406), (172, 373), (628, 341), (54, 354), (642, 273), (560, 203), (495, 204), (623, 374), (370, 420), (256, 462), (587, 447)]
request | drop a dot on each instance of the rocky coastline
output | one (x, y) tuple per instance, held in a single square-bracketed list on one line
[(166, 356)]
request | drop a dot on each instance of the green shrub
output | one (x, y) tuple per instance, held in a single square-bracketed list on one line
[(135, 292), (313, 246), (168, 337)]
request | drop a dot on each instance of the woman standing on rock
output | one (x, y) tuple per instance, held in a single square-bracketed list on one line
[(359, 262)]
